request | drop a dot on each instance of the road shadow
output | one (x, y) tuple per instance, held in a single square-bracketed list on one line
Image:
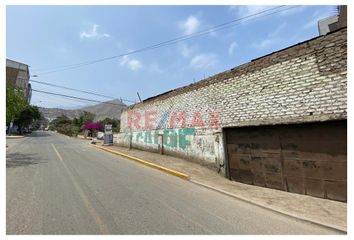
[(14, 160)]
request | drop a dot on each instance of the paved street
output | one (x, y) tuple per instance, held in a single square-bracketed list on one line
[(57, 185)]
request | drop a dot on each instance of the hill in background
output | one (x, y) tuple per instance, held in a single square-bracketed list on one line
[(110, 109)]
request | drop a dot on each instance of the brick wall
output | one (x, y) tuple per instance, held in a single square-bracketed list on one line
[(303, 83)]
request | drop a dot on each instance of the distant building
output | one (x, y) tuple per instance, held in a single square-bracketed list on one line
[(327, 25), (333, 23), (18, 74), (342, 20)]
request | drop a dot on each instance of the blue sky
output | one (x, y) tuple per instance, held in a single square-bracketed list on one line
[(52, 36)]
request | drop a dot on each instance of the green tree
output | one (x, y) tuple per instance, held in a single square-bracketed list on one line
[(114, 122), (58, 122), (26, 117), (15, 102), (63, 120), (41, 122), (65, 125), (77, 122), (75, 130), (86, 117)]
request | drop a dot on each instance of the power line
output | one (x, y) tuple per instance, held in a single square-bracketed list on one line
[(171, 41), (77, 90), (168, 42), (79, 98), (55, 99)]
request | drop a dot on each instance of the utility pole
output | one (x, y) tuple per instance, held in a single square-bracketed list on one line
[(138, 96)]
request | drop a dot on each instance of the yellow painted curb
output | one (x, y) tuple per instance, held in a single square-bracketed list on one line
[(167, 170), (82, 137)]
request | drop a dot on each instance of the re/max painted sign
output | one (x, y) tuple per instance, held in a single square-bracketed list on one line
[(150, 120)]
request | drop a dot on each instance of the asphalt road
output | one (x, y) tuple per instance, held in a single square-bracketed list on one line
[(57, 185)]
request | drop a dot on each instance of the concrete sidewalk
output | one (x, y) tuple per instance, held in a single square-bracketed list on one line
[(14, 136), (325, 212)]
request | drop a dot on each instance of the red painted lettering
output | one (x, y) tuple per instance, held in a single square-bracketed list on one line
[(175, 118), (133, 120), (149, 120), (214, 119), (197, 120)]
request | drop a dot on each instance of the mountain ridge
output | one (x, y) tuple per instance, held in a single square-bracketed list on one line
[(109, 109)]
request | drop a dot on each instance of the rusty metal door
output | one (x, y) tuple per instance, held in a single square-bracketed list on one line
[(309, 158)]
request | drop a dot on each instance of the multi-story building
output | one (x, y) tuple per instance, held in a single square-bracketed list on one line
[(18, 74)]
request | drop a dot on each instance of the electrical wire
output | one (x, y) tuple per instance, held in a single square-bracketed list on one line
[(56, 99), (79, 98), (77, 90), (168, 42), (172, 41)]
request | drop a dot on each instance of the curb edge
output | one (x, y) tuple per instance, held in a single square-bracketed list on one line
[(336, 228), (187, 177), (149, 164)]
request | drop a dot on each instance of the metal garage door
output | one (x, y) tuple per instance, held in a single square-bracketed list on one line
[(309, 158)]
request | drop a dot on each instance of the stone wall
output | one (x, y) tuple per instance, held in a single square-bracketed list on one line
[(306, 82)]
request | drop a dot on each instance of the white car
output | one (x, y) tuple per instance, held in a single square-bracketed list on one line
[(100, 135)]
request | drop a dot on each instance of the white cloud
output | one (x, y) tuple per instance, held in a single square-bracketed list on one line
[(316, 17), (204, 60), (278, 30), (243, 11), (264, 43), (293, 10), (132, 64), (124, 61), (232, 48), (92, 33), (272, 38), (190, 25), (186, 50)]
